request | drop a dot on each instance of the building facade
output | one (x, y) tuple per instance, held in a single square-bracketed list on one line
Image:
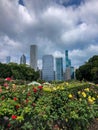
[(48, 68), (33, 57), (8, 59), (69, 72), (23, 59), (59, 69), (67, 60)]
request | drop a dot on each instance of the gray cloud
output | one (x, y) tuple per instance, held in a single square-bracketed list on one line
[(52, 26)]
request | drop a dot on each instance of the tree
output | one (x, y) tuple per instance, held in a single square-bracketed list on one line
[(16, 71), (88, 71)]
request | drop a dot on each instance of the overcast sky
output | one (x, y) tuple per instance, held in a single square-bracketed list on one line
[(53, 25)]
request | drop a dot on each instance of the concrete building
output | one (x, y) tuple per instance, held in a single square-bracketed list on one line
[(48, 68), (23, 59), (59, 69), (33, 57), (68, 73)]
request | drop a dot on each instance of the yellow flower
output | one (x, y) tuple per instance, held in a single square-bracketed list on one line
[(70, 96), (66, 119), (84, 94), (86, 89), (90, 101), (80, 99), (20, 118), (79, 92), (66, 83), (93, 99)]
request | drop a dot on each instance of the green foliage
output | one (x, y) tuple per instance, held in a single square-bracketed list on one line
[(88, 71), (16, 71), (68, 106)]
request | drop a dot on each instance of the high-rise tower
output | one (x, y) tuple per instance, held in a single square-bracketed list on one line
[(59, 68), (68, 61), (8, 59), (48, 68), (23, 59), (33, 57)]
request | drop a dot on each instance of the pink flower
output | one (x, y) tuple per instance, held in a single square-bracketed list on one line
[(5, 85), (8, 79)]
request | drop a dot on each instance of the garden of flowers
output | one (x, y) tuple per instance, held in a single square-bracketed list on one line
[(47, 106)]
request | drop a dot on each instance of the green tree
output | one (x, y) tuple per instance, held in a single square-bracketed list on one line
[(17, 71), (88, 71)]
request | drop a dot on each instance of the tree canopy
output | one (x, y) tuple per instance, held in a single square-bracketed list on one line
[(17, 71), (88, 71)]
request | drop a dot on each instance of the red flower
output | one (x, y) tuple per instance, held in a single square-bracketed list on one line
[(9, 125), (14, 98), (34, 90), (8, 79), (40, 87), (17, 106), (14, 117), (27, 100), (29, 94), (3, 97)]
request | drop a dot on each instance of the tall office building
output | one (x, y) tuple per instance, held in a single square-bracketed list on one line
[(23, 59), (69, 72), (67, 60), (59, 69), (48, 68), (33, 57), (8, 59)]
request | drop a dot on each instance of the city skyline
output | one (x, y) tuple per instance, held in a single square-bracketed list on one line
[(53, 25)]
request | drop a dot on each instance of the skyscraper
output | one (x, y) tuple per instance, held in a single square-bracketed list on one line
[(59, 68), (23, 59), (33, 57), (8, 59), (48, 68), (67, 60), (69, 72)]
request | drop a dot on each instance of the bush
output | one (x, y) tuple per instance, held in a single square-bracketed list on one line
[(66, 106)]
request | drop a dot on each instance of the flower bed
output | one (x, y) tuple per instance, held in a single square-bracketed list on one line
[(65, 106)]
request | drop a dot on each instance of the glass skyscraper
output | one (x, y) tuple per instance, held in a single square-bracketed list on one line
[(48, 68), (69, 72), (8, 59), (59, 69), (67, 60), (33, 57), (23, 59)]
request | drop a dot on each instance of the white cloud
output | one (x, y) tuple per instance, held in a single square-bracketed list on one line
[(50, 25)]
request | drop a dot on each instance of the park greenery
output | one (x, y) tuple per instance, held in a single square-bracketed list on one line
[(18, 71), (58, 106), (88, 71), (26, 105)]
